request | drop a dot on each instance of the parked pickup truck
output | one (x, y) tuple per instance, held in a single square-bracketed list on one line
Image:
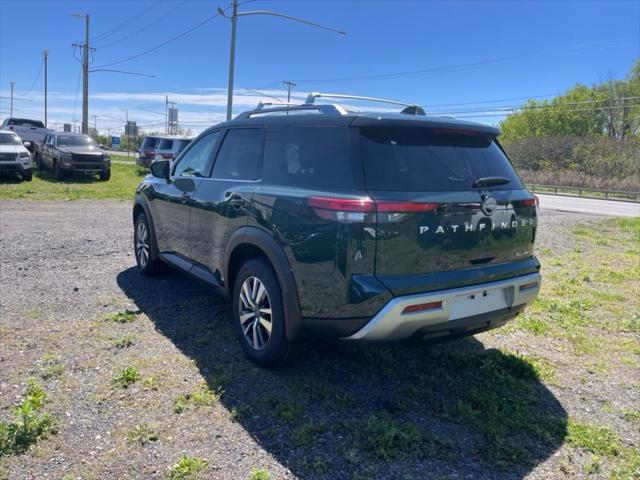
[(64, 152), (30, 132)]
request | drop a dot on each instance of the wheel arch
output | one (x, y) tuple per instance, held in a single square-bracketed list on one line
[(250, 242)]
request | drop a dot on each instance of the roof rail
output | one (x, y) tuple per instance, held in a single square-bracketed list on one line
[(334, 110), (411, 108)]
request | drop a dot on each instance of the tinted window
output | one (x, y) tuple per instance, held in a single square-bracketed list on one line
[(25, 122), (165, 144), (240, 155), (149, 142), (196, 161), (309, 156), (182, 144), (75, 141), (420, 159), (9, 139)]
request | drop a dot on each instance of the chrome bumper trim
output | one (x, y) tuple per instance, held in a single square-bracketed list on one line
[(391, 324)]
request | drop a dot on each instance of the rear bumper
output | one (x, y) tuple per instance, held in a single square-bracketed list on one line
[(144, 161), (470, 309)]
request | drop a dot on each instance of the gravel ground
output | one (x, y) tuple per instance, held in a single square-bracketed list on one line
[(66, 266)]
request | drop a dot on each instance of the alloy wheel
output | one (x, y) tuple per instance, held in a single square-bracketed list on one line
[(142, 244), (255, 313)]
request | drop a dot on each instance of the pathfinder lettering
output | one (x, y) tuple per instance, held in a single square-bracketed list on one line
[(481, 226)]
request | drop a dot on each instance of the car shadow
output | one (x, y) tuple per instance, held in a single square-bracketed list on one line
[(70, 177), (343, 410)]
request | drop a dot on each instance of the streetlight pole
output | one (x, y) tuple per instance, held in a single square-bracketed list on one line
[(290, 86), (11, 111), (45, 53), (232, 50)]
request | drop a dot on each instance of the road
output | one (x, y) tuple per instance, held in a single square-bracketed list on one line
[(589, 205)]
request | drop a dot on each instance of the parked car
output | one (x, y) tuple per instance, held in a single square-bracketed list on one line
[(370, 227), (64, 152), (169, 148), (147, 151), (29, 131), (14, 156)]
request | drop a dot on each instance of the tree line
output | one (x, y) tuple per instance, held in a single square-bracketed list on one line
[(588, 137)]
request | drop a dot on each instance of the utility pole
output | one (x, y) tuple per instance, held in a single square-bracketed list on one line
[(166, 114), (85, 72), (232, 51), (290, 86), (12, 84), (126, 129), (95, 124), (171, 129), (232, 58), (45, 53)]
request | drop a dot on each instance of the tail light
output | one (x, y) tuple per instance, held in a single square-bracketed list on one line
[(531, 202), (167, 156), (355, 209)]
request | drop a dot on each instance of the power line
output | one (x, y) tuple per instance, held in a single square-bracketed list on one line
[(37, 77), (140, 30), (509, 108), (153, 49), (171, 40), (562, 111), (126, 22), (469, 66)]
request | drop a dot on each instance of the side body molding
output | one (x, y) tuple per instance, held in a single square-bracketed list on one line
[(277, 257)]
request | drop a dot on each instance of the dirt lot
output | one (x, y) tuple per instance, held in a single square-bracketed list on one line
[(140, 373)]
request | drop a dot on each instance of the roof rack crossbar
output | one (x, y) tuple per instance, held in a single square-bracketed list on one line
[(261, 105), (412, 107)]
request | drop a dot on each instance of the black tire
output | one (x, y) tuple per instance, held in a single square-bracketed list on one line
[(147, 258), (105, 175), (275, 350), (27, 175), (58, 173), (39, 165)]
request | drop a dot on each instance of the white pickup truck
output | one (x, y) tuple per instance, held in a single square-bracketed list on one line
[(32, 131)]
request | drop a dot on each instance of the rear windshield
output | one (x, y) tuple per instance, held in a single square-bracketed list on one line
[(9, 139), (149, 142), (165, 144), (25, 122), (75, 141), (420, 159), (308, 157), (182, 144)]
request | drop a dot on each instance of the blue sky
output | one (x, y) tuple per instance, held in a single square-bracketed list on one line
[(453, 57)]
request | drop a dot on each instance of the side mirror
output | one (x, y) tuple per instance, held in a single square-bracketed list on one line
[(160, 169), (26, 144)]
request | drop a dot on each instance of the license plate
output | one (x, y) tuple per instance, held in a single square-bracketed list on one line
[(478, 302)]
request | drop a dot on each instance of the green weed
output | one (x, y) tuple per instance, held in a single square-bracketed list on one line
[(126, 377), (123, 341), (259, 474), (594, 439), (126, 316), (188, 468), (30, 422)]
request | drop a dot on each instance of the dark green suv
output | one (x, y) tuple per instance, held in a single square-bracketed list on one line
[(324, 222)]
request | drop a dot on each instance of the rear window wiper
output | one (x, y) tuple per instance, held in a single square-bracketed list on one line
[(490, 182)]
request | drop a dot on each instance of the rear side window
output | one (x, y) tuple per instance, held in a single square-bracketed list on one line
[(309, 157), (431, 159), (149, 142), (240, 155), (24, 122), (165, 144)]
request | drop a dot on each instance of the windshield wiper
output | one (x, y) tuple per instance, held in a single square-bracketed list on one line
[(490, 182)]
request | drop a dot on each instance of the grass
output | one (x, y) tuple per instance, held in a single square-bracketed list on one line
[(188, 468), (598, 440), (203, 398), (52, 368), (30, 422), (126, 377), (125, 316), (121, 186), (259, 474), (142, 434), (124, 341)]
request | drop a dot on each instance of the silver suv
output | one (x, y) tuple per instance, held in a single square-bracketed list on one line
[(14, 156)]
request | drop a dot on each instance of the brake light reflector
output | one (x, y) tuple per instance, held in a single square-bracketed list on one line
[(364, 204), (527, 286), (422, 307), (531, 202), (404, 207)]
